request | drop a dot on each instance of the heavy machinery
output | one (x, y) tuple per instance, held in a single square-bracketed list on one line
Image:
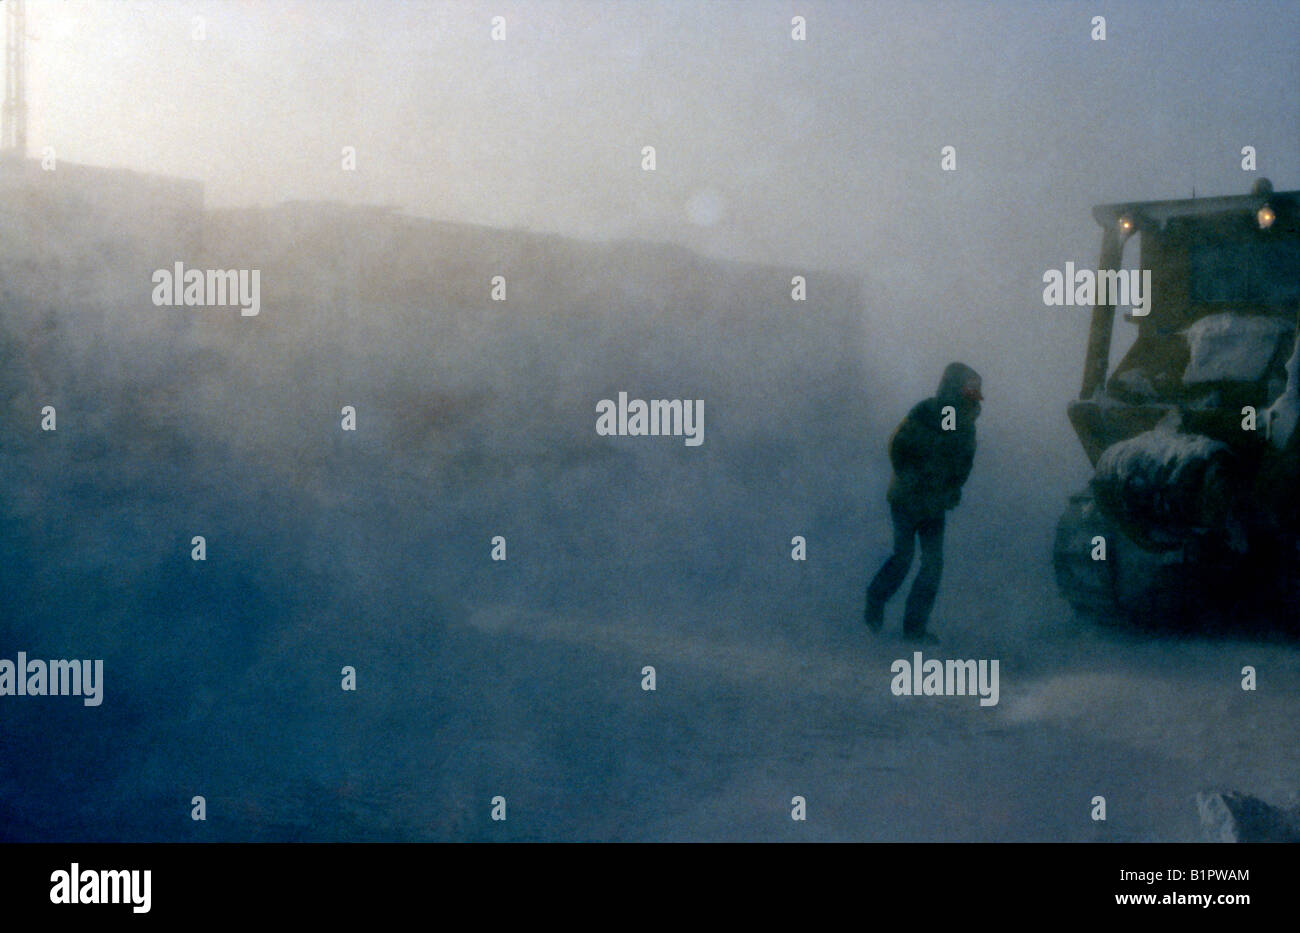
[(1194, 507)]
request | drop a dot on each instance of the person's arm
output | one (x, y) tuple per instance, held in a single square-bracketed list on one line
[(909, 448), (964, 465), (957, 476)]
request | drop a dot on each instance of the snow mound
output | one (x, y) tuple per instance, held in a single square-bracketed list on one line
[(1231, 347), (1166, 482), (1160, 457), (1136, 384)]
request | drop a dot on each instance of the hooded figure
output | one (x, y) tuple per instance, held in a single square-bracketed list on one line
[(932, 452)]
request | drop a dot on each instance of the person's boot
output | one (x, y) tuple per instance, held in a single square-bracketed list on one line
[(916, 614), (875, 615)]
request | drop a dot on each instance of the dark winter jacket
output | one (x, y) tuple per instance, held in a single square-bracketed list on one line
[(931, 464)]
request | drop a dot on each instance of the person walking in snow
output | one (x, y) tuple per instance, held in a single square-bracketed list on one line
[(932, 452)]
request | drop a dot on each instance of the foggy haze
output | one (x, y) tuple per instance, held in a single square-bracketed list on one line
[(822, 155), (523, 158)]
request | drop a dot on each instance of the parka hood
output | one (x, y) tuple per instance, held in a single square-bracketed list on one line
[(955, 378)]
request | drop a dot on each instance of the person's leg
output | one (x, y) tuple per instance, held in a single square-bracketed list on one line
[(926, 586), (894, 570)]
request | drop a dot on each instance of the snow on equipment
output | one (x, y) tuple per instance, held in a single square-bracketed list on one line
[(1195, 499)]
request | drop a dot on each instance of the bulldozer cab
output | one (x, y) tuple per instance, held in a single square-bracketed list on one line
[(1194, 504), (1221, 321)]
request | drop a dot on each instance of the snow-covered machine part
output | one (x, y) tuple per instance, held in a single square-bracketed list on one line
[(1280, 417), (1192, 433), (1232, 347), (1163, 486)]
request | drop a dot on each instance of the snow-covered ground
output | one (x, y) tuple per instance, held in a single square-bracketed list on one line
[(523, 678)]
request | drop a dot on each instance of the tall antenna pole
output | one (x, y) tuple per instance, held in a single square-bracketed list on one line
[(13, 117)]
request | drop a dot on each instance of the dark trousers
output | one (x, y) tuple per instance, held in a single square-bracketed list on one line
[(926, 585)]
